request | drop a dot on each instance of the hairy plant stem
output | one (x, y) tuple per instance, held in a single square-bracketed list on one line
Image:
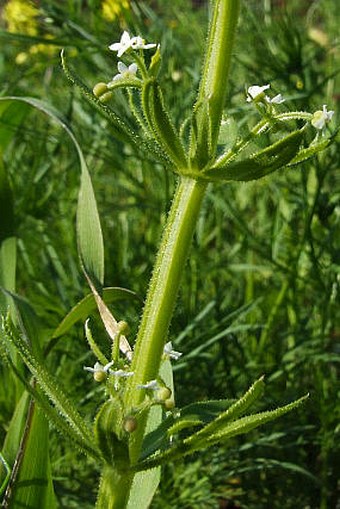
[(161, 297), (178, 233), (114, 489)]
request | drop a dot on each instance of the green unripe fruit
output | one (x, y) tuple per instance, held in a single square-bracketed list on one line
[(105, 98), (100, 89), (123, 328), (169, 404), (99, 376), (163, 393), (130, 424)]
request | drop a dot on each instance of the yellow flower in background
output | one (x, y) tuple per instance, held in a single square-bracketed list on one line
[(112, 9), (21, 17)]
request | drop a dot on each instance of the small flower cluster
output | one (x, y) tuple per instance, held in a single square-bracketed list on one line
[(126, 73), (256, 94), (100, 372)]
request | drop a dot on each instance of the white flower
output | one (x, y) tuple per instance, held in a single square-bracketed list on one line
[(121, 373), (126, 42), (99, 371), (123, 45), (254, 91), (152, 385), (278, 99), (321, 118), (139, 43), (124, 72), (170, 352)]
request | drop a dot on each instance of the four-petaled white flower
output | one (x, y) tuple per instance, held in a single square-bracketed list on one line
[(125, 72), (126, 42), (170, 352), (99, 371), (152, 385), (278, 99), (321, 118), (255, 91)]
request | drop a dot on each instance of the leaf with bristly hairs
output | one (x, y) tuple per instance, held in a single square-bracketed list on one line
[(160, 123), (62, 406), (225, 426), (317, 145), (120, 129), (260, 164)]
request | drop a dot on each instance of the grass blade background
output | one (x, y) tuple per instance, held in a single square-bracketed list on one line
[(30, 484)]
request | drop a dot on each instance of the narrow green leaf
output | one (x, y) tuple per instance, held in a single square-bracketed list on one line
[(121, 130), (90, 240), (201, 133), (29, 327), (155, 63), (5, 473), (50, 412), (306, 153), (8, 258), (14, 433), (93, 345), (30, 484), (198, 441), (246, 424), (236, 409), (108, 432), (6, 206), (160, 123), (195, 414), (49, 385), (89, 232), (260, 164), (199, 414)]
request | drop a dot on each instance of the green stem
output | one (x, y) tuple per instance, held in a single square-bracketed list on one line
[(162, 294), (213, 85), (114, 489)]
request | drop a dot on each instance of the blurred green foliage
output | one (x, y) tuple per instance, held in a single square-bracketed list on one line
[(261, 290)]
